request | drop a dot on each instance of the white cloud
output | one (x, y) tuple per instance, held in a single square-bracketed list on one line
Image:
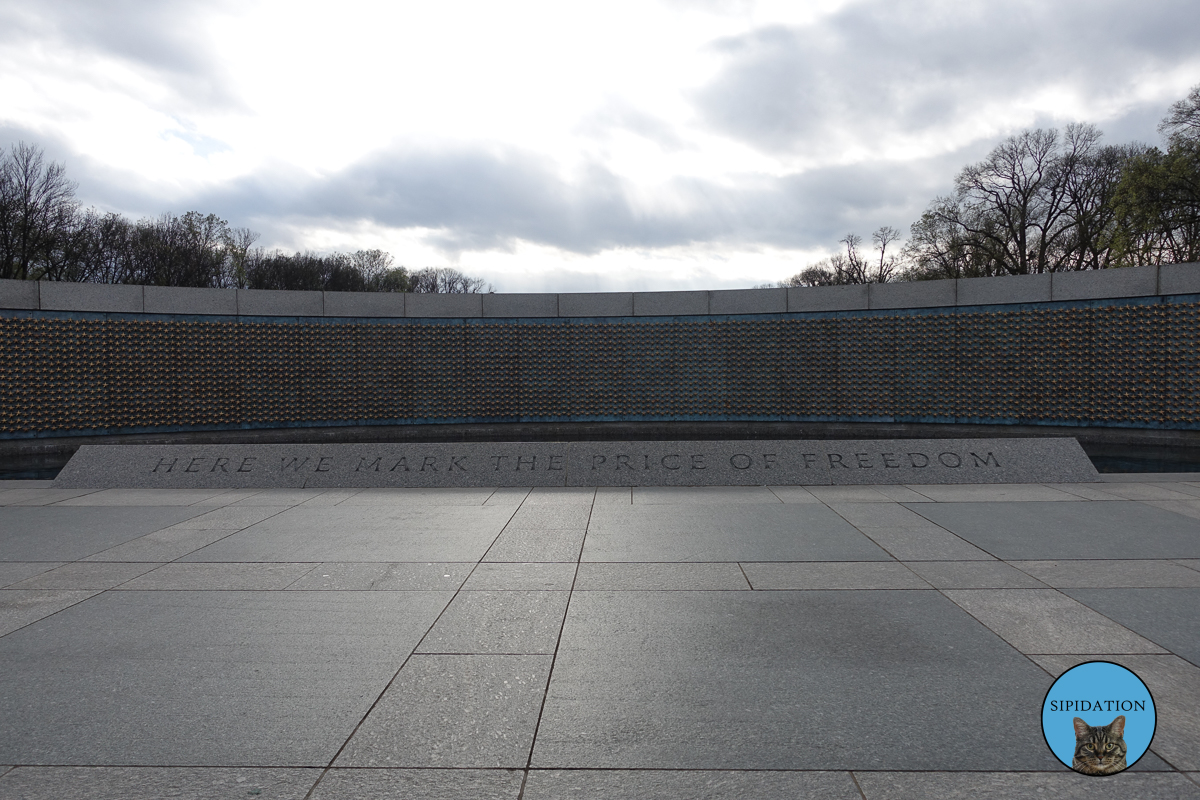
[(634, 142)]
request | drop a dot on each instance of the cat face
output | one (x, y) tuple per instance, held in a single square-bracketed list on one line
[(1099, 750)]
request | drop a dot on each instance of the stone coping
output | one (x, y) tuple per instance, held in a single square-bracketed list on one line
[(1170, 279)]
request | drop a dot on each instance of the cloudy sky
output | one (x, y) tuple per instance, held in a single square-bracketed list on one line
[(570, 146)]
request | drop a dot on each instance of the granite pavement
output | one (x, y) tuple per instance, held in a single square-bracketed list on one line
[(725, 643)]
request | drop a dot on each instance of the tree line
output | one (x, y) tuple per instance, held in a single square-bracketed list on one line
[(46, 235), (1047, 201)]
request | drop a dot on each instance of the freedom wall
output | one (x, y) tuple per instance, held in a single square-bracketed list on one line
[(1117, 348)]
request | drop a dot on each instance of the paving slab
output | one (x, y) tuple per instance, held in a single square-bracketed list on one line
[(793, 494), (391, 534), (537, 544), (687, 785), (203, 678), (1088, 491), (880, 515), (144, 497), (165, 545), (1175, 685), (618, 495), (83, 575), (930, 542), (1147, 491), (1165, 616), (802, 532), (229, 577), (1047, 531), (21, 607), (741, 680), (1047, 621), (154, 783), (866, 494), (69, 534), (567, 515), (514, 622), (39, 497), (1110, 574), (1185, 508), (973, 575), (702, 495), (232, 517), (420, 784), (454, 711), (595, 576), (560, 495), (436, 497), (535, 575), (833, 575), (1065, 785), (281, 497), (1002, 493), (336, 576), (13, 571)]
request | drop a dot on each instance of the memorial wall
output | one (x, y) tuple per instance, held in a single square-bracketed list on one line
[(1113, 348)]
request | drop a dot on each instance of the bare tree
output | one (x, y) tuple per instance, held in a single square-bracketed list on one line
[(1182, 122), (38, 214)]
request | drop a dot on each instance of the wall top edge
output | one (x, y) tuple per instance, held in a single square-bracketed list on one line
[(1129, 282)]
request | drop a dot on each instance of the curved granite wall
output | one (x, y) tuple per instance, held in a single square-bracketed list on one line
[(1114, 348)]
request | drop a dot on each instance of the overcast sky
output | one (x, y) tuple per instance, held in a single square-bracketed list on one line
[(570, 146)]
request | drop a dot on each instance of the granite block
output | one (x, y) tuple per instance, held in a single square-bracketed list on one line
[(436, 304), (19, 294), (364, 304), (13, 571), (523, 545), (162, 546), (513, 622), (1064, 785), (879, 463), (596, 576), (1099, 284), (827, 298), (454, 711), (204, 678), (1114, 574), (341, 576), (560, 495), (526, 576), (145, 498), (450, 496), (1177, 278), (748, 301), (520, 305), (914, 294), (1165, 616), (152, 783), (973, 575), (666, 304), (63, 296), (69, 534), (365, 533), (225, 577), (1003, 493), (687, 785), (189, 300), (425, 784), (84, 576), (21, 607), (595, 304), (692, 495), (791, 680), (928, 543), (832, 575), (1046, 621), (1005, 289), (279, 303)]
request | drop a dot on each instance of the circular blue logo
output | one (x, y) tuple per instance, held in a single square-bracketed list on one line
[(1098, 718)]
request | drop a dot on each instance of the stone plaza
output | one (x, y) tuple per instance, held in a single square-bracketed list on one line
[(736, 642)]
